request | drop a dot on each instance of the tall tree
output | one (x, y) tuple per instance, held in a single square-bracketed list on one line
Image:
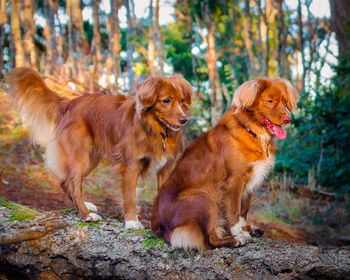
[(29, 28), (214, 79), (282, 41), (113, 58), (130, 41), (3, 20), (340, 10), (248, 39), (96, 51), (159, 40), (16, 32), (151, 56), (71, 69), (50, 10), (82, 46)]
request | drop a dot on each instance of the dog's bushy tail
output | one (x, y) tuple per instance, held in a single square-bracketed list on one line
[(188, 236), (39, 106)]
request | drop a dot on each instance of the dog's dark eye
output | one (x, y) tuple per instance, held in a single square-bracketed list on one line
[(182, 101), (166, 101), (270, 101)]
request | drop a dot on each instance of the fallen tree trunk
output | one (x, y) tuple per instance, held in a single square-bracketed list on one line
[(58, 245)]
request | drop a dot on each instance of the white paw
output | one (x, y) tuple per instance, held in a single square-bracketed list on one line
[(133, 225), (92, 207), (93, 217), (241, 239)]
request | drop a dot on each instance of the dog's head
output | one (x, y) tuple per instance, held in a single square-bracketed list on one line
[(165, 99), (271, 100)]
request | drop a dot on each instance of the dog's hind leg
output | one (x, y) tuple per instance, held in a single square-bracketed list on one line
[(196, 217), (77, 165)]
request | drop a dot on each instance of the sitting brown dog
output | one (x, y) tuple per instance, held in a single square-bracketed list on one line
[(209, 191)]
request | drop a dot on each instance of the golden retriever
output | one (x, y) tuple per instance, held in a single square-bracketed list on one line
[(132, 132), (204, 202)]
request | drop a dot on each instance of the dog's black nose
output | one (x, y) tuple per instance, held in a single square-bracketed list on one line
[(182, 119)]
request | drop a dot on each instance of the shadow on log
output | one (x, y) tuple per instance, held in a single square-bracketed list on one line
[(58, 245)]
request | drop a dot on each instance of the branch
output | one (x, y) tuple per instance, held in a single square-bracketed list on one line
[(64, 247)]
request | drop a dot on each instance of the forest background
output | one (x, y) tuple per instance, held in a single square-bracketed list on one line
[(109, 46)]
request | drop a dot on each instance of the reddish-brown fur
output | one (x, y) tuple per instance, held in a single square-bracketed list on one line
[(131, 132), (209, 191)]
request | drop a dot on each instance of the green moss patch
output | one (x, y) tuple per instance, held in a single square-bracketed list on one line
[(96, 224), (151, 241), (19, 212)]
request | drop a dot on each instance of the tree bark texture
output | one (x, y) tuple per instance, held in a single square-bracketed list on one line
[(3, 20), (58, 245), (96, 47), (82, 48), (129, 42), (16, 32), (248, 42), (50, 9), (113, 59), (340, 13), (159, 40), (29, 28)]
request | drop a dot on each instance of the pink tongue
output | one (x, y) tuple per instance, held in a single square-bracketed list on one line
[(279, 132), (275, 129)]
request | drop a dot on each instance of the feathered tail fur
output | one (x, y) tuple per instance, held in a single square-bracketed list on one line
[(39, 106)]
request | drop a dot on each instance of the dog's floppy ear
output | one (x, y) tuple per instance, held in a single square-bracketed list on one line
[(147, 92), (292, 95), (246, 94), (186, 87)]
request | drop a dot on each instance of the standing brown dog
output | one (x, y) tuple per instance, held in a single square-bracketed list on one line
[(131, 132), (209, 191)]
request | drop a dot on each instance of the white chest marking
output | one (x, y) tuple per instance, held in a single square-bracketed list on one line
[(260, 170), (160, 163)]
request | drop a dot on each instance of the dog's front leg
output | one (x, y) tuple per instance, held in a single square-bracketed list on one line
[(232, 199), (129, 175), (245, 204)]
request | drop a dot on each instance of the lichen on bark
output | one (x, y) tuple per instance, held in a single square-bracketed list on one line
[(58, 245)]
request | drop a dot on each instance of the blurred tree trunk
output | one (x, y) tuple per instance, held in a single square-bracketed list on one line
[(29, 28), (260, 52), (248, 42), (113, 58), (3, 20), (282, 42), (214, 79), (16, 32), (300, 80), (50, 10), (82, 46), (130, 42), (340, 19), (159, 40), (96, 47), (71, 69), (151, 46)]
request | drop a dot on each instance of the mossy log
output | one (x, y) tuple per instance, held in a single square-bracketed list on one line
[(58, 245)]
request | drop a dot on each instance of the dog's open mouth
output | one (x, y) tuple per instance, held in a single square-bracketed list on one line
[(171, 126), (275, 129)]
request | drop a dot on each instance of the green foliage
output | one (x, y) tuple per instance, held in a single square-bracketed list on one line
[(320, 136)]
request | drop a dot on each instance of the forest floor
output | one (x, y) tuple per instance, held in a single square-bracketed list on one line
[(281, 212)]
